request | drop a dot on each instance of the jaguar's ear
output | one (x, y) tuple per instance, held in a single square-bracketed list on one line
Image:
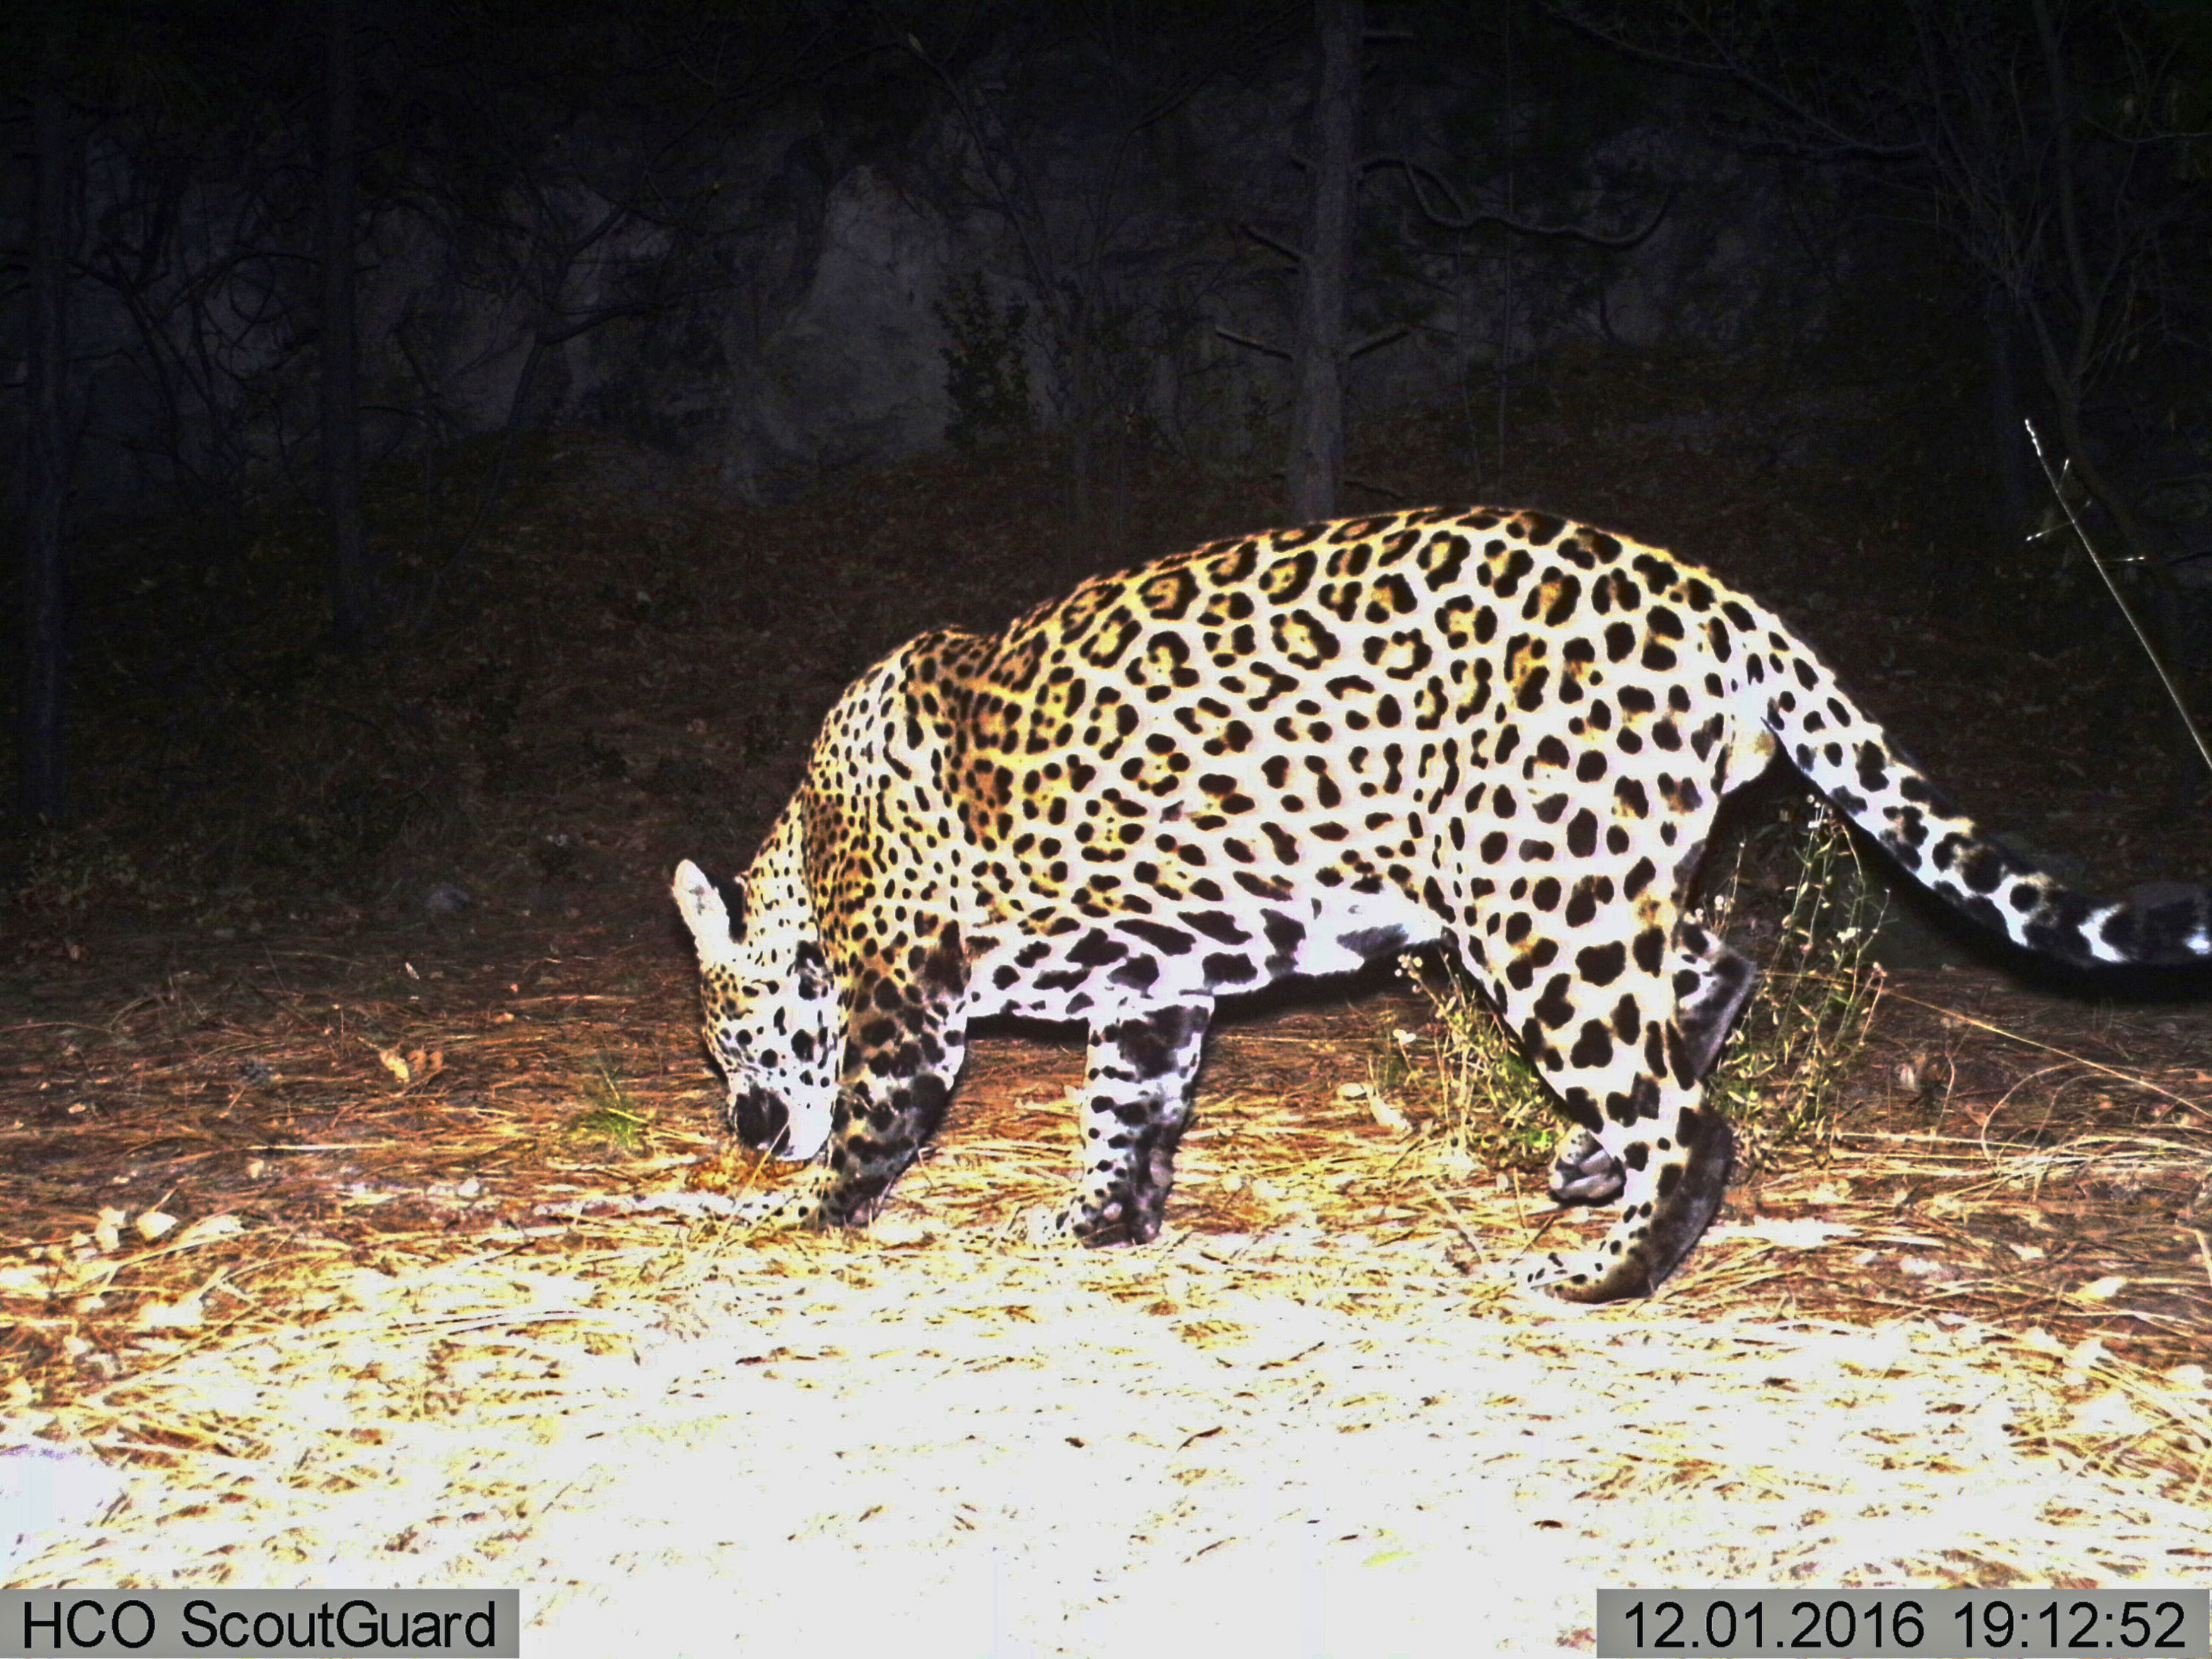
[(714, 924)]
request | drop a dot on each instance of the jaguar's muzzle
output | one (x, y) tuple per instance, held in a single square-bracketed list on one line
[(761, 1120)]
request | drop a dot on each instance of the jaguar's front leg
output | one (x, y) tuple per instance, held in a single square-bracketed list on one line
[(882, 1118), (905, 1042), (1142, 1073)]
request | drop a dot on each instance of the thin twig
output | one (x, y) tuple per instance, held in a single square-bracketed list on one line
[(1458, 1224), (2135, 1078), (2081, 534)]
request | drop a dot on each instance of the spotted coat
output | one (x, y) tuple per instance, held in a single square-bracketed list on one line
[(1289, 754)]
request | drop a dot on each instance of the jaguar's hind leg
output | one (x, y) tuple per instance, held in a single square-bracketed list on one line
[(1142, 1071), (1711, 982), (1674, 1174), (1634, 1088), (1585, 1169)]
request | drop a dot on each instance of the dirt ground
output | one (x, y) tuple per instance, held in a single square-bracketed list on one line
[(1308, 1419), (360, 1204)]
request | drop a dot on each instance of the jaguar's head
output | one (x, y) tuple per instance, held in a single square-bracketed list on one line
[(771, 1009)]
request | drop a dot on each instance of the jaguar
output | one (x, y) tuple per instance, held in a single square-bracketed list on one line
[(1501, 733)]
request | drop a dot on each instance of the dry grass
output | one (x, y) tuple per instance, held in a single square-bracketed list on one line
[(404, 1333)]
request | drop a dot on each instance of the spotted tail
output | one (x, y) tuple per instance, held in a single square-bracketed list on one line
[(1851, 760)]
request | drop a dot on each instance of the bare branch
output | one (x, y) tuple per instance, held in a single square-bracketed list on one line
[(1724, 64), (1232, 336), (1378, 341), (1265, 240), (1419, 178)]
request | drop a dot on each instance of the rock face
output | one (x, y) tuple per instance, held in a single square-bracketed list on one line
[(838, 304), (856, 372)]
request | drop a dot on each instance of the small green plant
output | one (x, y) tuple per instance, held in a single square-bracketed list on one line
[(613, 1118), (1495, 1108), (1395, 1060), (1780, 1079)]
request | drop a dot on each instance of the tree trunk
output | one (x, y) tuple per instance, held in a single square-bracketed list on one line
[(46, 453), (1316, 459), (353, 577)]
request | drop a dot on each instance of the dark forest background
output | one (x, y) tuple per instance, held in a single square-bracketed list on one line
[(411, 408)]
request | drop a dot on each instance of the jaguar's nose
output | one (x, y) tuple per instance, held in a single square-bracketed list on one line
[(759, 1118)]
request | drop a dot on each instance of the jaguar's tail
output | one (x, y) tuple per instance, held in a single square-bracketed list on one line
[(1848, 757)]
